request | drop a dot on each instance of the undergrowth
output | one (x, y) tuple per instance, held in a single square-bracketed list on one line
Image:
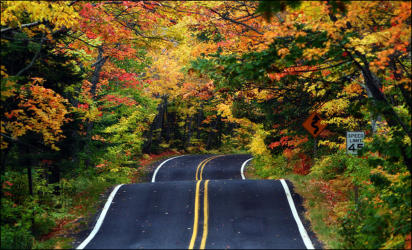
[(351, 202)]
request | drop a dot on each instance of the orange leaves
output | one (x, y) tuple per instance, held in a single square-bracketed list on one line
[(326, 73), (13, 113), (277, 76), (296, 70), (41, 111), (198, 89), (98, 138), (288, 153), (353, 88)]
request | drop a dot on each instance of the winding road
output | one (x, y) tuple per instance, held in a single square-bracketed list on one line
[(199, 202)]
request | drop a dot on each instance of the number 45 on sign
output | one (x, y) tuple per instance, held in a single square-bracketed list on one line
[(354, 141)]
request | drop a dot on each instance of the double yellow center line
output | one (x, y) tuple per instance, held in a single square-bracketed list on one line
[(205, 216), (201, 166), (199, 173)]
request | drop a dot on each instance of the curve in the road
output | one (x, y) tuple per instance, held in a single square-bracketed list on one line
[(160, 165), (226, 212), (101, 218), (242, 169), (199, 167)]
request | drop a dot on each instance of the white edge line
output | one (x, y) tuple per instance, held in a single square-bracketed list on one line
[(302, 230), (101, 218), (242, 169), (161, 164)]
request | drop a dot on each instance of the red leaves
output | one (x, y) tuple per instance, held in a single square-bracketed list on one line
[(85, 11), (90, 34), (345, 54), (6, 186), (274, 145), (326, 72), (7, 183), (288, 141), (9, 115), (408, 241), (84, 106), (118, 100), (302, 166)]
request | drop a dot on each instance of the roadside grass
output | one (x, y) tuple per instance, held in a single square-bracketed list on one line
[(317, 206), (318, 211), (87, 196)]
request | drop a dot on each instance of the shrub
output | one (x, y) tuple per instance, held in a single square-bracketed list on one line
[(268, 166), (42, 225), (16, 237), (330, 166), (381, 218)]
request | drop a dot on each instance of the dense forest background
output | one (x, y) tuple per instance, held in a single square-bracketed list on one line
[(92, 90)]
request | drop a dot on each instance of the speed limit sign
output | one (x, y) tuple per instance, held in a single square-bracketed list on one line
[(354, 142)]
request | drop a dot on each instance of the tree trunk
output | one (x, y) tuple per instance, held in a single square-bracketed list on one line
[(219, 131), (189, 130), (160, 116), (156, 124), (166, 123), (372, 83), (199, 120), (4, 154), (393, 120), (210, 135), (98, 65), (54, 177)]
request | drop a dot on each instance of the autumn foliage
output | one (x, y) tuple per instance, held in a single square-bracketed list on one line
[(89, 89)]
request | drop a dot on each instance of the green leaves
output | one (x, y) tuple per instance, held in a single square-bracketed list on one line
[(270, 8)]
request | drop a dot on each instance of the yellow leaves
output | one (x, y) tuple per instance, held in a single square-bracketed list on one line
[(3, 71), (57, 13), (314, 53), (330, 144), (261, 95), (224, 110), (407, 140), (283, 52), (7, 86), (257, 146), (316, 89), (3, 144)]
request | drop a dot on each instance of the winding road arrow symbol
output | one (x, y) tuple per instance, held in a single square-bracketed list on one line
[(313, 124)]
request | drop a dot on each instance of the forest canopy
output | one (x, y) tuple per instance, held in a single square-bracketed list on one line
[(90, 88)]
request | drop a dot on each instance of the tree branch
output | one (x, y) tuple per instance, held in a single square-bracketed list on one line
[(26, 25), (34, 58), (234, 21)]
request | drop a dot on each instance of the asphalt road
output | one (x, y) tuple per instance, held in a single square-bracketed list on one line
[(201, 201), (186, 167)]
